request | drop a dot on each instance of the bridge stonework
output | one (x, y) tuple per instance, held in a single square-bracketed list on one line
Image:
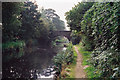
[(63, 33)]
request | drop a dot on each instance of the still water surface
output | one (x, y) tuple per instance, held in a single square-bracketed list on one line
[(27, 64)]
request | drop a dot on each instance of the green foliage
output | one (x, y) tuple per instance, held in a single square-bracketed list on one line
[(10, 20), (13, 44), (60, 41), (76, 37), (64, 58), (12, 50), (32, 27), (71, 68), (23, 24), (12, 47), (47, 21), (87, 43), (54, 19), (91, 74), (100, 26), (101, 34), (74, 16)]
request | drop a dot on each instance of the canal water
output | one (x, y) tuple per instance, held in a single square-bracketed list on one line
[(33, 60), (27, 64)]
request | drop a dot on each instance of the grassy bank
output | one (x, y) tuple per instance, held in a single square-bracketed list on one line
[(90, 70)]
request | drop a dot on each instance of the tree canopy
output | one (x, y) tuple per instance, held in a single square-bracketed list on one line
[(11, 23), (54, 18), (75, 16)]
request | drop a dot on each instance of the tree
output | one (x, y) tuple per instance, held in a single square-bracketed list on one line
[(55, 19), (33, 26), (75, 16), (30, 21), (11, 23)]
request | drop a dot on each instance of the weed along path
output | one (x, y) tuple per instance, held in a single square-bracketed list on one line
[(79, 70)]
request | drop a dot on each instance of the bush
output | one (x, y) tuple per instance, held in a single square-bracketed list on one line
[(100, 25), (64, 58)]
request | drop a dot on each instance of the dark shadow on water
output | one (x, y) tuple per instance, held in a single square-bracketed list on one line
[(27, 64)]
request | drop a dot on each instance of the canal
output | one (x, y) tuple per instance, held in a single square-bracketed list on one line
[(27, 64), (37, 59)]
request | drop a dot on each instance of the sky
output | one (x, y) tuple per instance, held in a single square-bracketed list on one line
[(60, 6)]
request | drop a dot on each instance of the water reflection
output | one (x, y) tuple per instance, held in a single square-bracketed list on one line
[(24, 66), (35, 59)]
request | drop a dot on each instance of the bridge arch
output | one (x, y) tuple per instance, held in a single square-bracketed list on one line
[(62, 33)]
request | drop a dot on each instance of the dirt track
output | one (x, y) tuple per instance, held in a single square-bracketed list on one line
[(79, 70)]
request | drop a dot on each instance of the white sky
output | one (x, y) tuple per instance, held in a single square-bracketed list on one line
[(60, 6)]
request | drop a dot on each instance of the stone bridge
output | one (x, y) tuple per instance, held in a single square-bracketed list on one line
[(62, 33)]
